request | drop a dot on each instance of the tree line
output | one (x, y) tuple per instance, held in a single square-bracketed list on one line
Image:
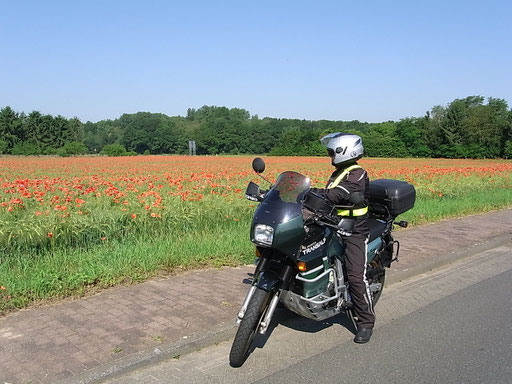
[(465, 128)]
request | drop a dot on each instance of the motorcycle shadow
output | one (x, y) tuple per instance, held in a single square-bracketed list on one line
[(289, 319)]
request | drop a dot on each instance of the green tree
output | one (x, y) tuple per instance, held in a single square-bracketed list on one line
[(464, 128), (150, 131), (10, 127), (500, 127), (33, 128), (220, 129), (75, 131), (114, 150), (507, 152), (295, 141), (47, 134), (3, 147), (259, 136), (433, 129), (382, 141), (73, 148), (412, 132), (60, 131), (26, 149)]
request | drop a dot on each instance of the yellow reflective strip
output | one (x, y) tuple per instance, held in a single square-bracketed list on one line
[(340, 177), (352, 167), (355, 212)]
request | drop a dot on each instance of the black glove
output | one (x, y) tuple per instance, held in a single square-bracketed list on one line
[(318, 192)]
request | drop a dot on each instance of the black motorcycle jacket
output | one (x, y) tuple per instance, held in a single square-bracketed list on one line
[(338, 192)]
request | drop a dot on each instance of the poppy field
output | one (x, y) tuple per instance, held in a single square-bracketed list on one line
[(71, 225)]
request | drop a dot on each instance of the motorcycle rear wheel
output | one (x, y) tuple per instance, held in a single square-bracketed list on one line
[(381, 280), (375, 297), (248, 327)]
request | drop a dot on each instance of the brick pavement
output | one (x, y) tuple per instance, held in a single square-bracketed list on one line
[(432, 245), (295, 339), (47, 344)]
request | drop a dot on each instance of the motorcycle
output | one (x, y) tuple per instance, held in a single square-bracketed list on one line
[(299, 243)]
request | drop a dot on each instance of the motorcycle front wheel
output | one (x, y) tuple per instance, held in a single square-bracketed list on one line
[(248, 327)]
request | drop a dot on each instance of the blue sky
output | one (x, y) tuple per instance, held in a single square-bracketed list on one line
[(339, 60)]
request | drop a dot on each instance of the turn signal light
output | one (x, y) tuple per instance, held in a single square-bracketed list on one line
[(258, 253), (302, 266)]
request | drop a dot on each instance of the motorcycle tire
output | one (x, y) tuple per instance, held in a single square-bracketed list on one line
[(351, 313), (248, 327), (381, 280)]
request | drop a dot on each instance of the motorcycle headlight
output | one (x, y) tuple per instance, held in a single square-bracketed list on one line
[(263, 234)]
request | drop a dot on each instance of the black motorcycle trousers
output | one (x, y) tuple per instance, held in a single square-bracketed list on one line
[(359, 289)]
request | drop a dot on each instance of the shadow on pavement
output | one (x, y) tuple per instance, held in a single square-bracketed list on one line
[(289, 319)]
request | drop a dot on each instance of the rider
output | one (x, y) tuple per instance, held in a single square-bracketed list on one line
[(348, 179)]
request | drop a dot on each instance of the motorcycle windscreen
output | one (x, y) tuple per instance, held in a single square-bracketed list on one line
[(282, 210), (290, 187)]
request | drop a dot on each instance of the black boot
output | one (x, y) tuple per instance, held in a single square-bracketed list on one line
[(363, 335)]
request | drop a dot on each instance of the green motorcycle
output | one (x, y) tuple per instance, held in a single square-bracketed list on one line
[(299, 243)]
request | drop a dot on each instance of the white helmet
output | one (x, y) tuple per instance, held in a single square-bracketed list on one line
[(343, 147)]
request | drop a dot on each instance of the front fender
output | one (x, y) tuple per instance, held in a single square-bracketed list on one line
[(268, 281)]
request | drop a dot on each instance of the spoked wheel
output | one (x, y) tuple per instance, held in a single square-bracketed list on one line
[(248, 327)]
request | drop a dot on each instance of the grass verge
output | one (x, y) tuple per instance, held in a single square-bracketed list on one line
[(30, 279)]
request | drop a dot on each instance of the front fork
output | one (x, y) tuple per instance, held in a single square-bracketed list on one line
[(262, 262), (273, 285), (270, 312), (245, 304)]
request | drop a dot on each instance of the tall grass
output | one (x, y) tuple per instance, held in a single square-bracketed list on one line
[(66, 271), (77, 271), (25, 232), (131, 234)]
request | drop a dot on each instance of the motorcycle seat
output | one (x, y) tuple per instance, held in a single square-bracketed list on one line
[(377, 227)]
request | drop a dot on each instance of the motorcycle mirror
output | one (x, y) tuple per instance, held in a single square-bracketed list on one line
[(253, 192), (258, 165), (356, 198)]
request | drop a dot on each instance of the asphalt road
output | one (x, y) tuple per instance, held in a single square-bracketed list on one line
[(463, 338), (452, 325)]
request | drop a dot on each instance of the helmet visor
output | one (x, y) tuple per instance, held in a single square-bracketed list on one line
[(325, 140)]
